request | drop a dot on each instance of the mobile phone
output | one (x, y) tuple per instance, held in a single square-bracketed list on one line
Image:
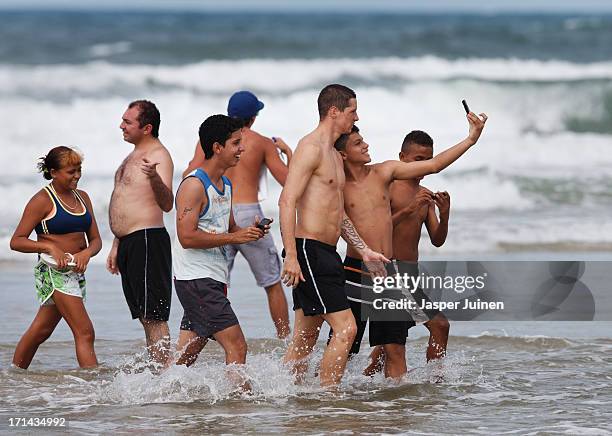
[(264, 222), (465, 106)]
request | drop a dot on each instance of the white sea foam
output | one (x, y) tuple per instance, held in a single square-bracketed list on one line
[(525, 160), (288, 74)]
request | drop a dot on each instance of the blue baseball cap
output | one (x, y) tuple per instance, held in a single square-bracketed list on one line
[(243, 104)]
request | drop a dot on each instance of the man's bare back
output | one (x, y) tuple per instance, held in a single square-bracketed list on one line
[(259, 151), (133, 205)]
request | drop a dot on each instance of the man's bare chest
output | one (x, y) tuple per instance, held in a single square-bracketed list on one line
[(129, 172)]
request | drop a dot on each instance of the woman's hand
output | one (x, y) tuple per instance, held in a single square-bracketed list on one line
[(81, 259), (58, 255)]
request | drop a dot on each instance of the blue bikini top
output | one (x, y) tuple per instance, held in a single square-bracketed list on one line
[(62, 221)]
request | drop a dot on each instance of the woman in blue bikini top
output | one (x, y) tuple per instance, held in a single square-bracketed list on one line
[(67, 232)]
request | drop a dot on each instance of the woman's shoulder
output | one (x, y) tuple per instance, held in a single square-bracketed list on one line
[(41, 199)]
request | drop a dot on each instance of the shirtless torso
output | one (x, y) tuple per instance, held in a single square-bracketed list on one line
[(314, 191), (133, 204), (407, 230), (320, 208), (367, 204)]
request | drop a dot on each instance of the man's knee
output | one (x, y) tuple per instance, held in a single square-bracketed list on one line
[(237, 351), (274, 289), (85, 333), (394, 352), (439, 324), (307, 335), (153, 324), (346, 330)]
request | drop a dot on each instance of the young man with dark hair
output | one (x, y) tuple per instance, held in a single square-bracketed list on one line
[(367, 201), (204, 226), (141, 250), (312, 265), (334, 95), (413, 205), (260, 153)]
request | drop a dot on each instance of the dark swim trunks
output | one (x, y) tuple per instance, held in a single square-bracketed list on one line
[(386, 327), (207, 309), (323, 290), (144, 259)]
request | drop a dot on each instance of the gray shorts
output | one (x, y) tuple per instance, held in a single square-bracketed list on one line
[(261, 255), (207, 309)]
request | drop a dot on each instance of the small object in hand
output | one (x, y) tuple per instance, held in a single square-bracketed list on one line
[(263, 223), (465, 106), (49, 260)]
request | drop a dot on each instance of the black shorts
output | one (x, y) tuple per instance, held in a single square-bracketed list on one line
[(323, 290), (207, 309), (381, 332), (412, 269), (144, 258)]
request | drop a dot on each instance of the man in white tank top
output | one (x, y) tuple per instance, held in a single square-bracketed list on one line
[(204, 226)]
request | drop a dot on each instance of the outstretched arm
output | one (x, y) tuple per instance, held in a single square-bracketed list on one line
[(302, 167), (395, 170)]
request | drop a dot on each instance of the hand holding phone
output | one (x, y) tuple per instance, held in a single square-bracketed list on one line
[(465, 106), (263, 223)]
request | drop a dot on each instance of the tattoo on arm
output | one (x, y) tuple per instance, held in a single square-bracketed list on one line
[(185, 212), (350, 235)]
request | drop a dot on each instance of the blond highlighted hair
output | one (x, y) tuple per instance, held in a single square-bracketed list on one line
[(58, 158)]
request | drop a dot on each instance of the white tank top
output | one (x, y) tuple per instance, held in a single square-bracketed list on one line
[(199, 263)]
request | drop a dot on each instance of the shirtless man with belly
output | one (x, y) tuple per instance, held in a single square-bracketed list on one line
[(141, 250)]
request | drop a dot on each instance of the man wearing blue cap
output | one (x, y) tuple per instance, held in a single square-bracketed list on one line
[(260, 152)]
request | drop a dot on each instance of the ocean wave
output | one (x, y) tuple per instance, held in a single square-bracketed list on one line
[(533, 96), (291, 75)]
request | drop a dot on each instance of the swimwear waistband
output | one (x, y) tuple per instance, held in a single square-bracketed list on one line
[(356, 266), (246, 206), (139, 233), (319, 244)]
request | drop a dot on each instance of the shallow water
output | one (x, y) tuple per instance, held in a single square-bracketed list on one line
[(491, 384), (508, 377)]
